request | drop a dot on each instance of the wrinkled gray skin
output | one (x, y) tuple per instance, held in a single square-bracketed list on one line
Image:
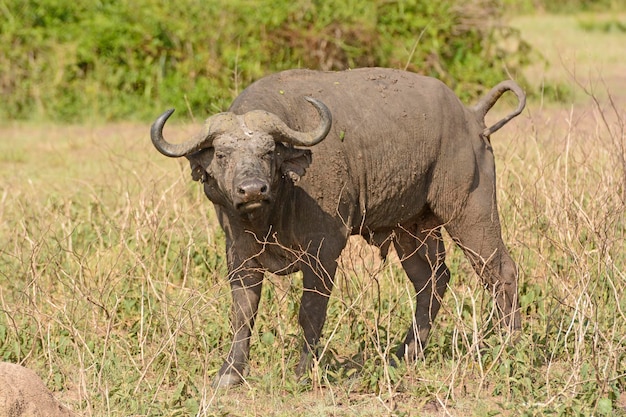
[(403, 158)]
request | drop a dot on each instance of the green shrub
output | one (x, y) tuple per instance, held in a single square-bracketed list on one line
[(116, 59)]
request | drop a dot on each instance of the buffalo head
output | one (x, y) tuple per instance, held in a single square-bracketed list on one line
[(239, 156)]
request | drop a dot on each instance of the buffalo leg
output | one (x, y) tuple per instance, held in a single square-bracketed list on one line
[(246, 292), (317, 287), (477, 232), (422, 255)]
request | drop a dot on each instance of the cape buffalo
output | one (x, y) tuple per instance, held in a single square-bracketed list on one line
[(303, 159)]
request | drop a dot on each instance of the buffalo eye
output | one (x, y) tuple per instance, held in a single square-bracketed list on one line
[(220, 156)]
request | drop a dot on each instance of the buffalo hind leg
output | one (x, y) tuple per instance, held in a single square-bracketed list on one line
[(476, 230), (422, 254), (246, 293), (317, 287)]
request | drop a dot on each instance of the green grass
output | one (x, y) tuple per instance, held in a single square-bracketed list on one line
[(112, 285), (574, 49)]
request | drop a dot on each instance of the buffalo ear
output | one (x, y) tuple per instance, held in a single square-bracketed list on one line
[(199, 162), (197, 172), (293, 161)]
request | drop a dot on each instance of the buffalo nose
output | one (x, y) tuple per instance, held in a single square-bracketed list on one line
[(251, 189)]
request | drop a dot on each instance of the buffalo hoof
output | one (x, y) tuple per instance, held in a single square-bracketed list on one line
[(227, 380), (304, 365)]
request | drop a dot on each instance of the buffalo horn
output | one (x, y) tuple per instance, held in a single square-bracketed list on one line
[(273, 125), (201, 140), (221, 122)]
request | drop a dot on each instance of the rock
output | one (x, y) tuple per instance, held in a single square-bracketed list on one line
[(23, 394)]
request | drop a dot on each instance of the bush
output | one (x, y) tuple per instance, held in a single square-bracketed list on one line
[(115, 59)]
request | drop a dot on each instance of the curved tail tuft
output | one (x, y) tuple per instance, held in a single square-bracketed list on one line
[(487, 102)]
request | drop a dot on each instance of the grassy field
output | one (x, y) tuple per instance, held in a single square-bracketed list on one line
[(112, 276), (583, 50)]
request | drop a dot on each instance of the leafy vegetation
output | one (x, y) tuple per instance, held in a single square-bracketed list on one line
[(116, 59)]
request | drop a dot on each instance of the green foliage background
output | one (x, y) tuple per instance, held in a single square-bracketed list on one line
[(119, 59)]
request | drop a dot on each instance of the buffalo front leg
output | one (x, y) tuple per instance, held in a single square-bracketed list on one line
[(317, 287), (422, 254), (246, 293)]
